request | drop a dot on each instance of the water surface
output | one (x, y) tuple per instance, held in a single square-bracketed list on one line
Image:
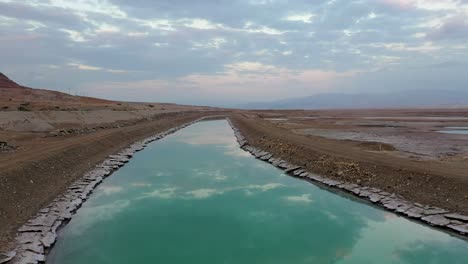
[(196, 197), (455, 130)]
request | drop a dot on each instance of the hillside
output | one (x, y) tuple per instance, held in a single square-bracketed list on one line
[(5, 82), (17, 97)]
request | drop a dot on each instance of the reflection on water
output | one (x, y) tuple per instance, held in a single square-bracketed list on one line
[(195, 197)]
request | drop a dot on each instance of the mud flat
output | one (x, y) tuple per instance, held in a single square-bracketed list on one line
[(453, 222), (37, 236)]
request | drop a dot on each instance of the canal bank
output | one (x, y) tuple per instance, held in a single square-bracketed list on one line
[(38, 235), (454, 222), (42, 168), (441, 182)]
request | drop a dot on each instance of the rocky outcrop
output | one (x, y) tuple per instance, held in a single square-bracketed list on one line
[(433, 216), (4, 147)]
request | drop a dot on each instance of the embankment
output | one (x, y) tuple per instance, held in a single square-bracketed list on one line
[(425, 182), (32, 178)]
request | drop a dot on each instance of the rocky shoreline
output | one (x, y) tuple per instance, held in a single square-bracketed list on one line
[(35, 238), (452, 222)]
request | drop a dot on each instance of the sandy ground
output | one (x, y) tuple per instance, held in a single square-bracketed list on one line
[(399, 151)]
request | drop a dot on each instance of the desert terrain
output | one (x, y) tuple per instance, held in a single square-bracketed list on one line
[(49, 139), (402, 151)]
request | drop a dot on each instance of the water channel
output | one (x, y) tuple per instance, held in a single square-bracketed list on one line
[(196, 197)]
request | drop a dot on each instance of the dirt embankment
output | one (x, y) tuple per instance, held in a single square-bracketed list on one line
[(51, 121), (427, 182), (34, 175)]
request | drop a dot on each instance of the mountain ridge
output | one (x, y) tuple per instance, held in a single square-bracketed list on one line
[(414, 98)]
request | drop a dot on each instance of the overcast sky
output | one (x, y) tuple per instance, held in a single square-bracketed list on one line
[(229, 52)]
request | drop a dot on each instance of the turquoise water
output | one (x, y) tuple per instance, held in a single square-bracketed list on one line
[(196, 197), (455, 131)]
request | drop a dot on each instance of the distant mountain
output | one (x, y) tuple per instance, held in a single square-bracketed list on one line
[(350, 101)]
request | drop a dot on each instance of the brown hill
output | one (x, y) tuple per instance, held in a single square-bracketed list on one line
[(5, 82), (17, 97), (14, 97)]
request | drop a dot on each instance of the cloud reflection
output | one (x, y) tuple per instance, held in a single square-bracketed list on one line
[(203, 193), (165, 193), (141, 184), (216, 175), (305, 198), (90, 216), (109, 190)]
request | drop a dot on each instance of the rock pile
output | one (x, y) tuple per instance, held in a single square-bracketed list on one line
[(79, 131), (4, 147)]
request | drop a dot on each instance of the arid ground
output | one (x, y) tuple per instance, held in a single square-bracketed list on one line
[(400, 151), (49, 139)]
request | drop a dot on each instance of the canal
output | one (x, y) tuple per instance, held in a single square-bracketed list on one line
[(196, 197)]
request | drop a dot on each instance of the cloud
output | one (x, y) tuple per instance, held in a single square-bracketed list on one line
[(269, 82), (300, 17), (453, 28), (431, 5), (93, 68), (226, 52), (44, 15), (400, 4)]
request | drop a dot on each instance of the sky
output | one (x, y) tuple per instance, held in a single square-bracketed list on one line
[(227, 52)]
